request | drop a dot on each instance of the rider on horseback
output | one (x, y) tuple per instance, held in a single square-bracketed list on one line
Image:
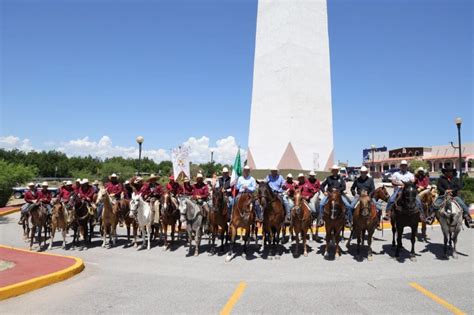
[(65, 193), (187, 187), (175, 189), (30, 196), (247, 184), (334, 181), (448, 183), (362, 183), (151, 191), (309, 192), (289, 187), (86, 194), (275, 181), (201, 193), (223, 183), (115, 191)]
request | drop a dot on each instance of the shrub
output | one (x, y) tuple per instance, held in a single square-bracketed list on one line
[(11, 175)]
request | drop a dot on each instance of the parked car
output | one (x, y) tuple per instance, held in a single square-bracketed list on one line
[(387, 175), (18, 192), (343, 173), (353, 175)]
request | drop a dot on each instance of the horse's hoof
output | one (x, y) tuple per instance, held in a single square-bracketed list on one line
[(165, 248), (305, 254), (228, 258), (338, 257), (196, 253), (277, 257), (370, 258), (455, 256), (211, 254), (244, 255), (413, 258), (135, 245)]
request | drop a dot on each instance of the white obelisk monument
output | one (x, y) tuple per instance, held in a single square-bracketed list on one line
[(291, 114)]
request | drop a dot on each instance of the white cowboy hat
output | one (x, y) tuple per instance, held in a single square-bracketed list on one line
[(138, 179), (300, 175), (126, 182), (153, 176), (68, 183), (274, 169), (225, 170), (96, 182), (404, 162), (246, 167), (199, 175), (84, 181), (113, 175), (312, 173), (335, 167), (30, 184), (364, 169), (44, 184), (289, 175), (420, 169), (78, 180)]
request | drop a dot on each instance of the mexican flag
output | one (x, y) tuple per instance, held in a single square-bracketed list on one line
[(236, 169)]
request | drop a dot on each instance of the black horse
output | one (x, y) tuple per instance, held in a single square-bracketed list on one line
[(405, 213), (81, 220)]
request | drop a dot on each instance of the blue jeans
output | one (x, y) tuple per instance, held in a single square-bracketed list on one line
[(289, 204), (230, 202), (324, 201), (440, 199), (392, 198), (354, 202), (26, 208), (100, 207)]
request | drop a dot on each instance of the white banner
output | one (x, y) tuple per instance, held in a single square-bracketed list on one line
[(181, 166)]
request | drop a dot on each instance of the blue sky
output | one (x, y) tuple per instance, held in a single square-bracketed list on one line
[(171, 70)]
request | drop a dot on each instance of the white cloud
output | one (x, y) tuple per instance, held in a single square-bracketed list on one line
[(200, 148), (11, 142)]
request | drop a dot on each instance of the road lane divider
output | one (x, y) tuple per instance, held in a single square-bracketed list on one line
[(453, 309), (227, 309)]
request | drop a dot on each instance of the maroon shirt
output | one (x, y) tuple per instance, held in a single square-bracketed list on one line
[(44, 196), (290, 188), (307, 190), (422, 182), (115, 189), (30, 196), (151, 190), (64, 193), (316, 185), (188, 189), (174, 188), (86, 193), (200, 190)]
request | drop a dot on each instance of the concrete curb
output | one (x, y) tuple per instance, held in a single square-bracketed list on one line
[(42, 281), (9, 211)]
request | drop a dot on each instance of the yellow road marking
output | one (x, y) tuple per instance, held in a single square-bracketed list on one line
[(233, 299), (453, 309)]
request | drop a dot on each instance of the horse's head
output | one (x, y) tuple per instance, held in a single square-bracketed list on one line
[(364, 203), (165, 201), (135, 204), (219, 198), (381, 193), (265, 194), (409, 193), (335, 204), (182, 206), (245, 203)]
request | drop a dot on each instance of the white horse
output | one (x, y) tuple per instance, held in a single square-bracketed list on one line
[(141, 211), (450, 219), (191, 214)]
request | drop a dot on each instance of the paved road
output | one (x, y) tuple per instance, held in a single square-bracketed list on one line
[(125, 280)]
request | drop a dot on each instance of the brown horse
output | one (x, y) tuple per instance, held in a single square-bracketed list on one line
[(109, 218), (39, 217), (123, 214), (301, 221), (364, 220), (243, 216), (273, 216), (169, 217), (334, 218), (58, 222), (380, 193), (427, 199), (81, 220), (218, 219)]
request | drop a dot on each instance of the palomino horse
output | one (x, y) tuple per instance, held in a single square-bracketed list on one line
[(243, 216), (123, 212), (142, 213), (334, 217), (218, 219), (273, 216), (59, 220), (169, 217), (365, 219), (427, 199), (300, 221), (109, 218), (38, 216), (405, 213), (191, 213), (81, 218), (450, 218)]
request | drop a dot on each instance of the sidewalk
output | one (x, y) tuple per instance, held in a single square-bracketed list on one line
[(9, 210), (22, 271)]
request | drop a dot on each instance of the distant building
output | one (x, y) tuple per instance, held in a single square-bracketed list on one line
[(437, 157)]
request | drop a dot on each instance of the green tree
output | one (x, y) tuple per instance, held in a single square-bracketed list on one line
[(12, 175), (418, 163)]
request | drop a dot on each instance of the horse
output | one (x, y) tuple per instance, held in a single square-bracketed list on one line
[(450, 217), (218, 219), (427, 199), (365, 219), (142, 213), (243, 216), (334, 219), (380, 193), (39, 217), (123, 213), (81, 218), (273, 216), (191, 213), (405, 214), (301, 221), (169, 217), (59, 221), (109, 219), (26, 227)]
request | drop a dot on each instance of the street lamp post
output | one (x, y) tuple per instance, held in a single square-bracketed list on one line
[(373, 159), (140, 140), (458, 122), (212, 156)]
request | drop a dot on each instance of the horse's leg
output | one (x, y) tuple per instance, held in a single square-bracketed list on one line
[(337, 239), (198, 241), (104, 234), (399, 241), (246, 241), (51, 238), (305, 249), (394, 231), (230, 254), (423, 231), (32, 238), (328, 239), (350, 237), (128, 232), (165, 232), (455, 240), (414, 230), (297, 241), (148, 231), (212, 239), (370, 233), (173, 228), (359, 235)]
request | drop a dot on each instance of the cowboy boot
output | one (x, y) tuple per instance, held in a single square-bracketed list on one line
[(388, 215), (468, 220), (22, 219)]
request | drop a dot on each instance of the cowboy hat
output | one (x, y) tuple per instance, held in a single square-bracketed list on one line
[(300, 175), (152, 176), (113, 176), (404, 162), (364, 169), (68, 183), (225, 170), (78, 180), (30, 184), (43, 184), (199, 175), (138, 180), (448, 168), (312, 173), (289, 175), (420, 169), (127, 182), (274, 169), (246, 167), (96, 182), (335, 167), (84, 181)]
